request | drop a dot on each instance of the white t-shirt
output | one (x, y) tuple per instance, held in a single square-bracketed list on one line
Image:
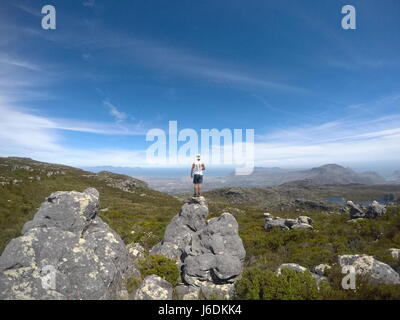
[(198, 165)]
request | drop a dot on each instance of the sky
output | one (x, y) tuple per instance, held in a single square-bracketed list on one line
[(88, 92)]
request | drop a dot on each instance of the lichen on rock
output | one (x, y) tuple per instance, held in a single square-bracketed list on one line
[(68, 242)]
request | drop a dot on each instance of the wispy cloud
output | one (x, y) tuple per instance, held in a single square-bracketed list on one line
[(19, 118), (89, 3), (37, 12), (114, 112), (387, 104), (20, 63), (160, 56)]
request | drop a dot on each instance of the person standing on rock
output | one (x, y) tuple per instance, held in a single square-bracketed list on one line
[(197, 175)]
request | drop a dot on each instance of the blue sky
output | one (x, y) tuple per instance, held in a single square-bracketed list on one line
[(86, 93)]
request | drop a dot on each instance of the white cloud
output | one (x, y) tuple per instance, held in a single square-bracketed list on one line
[(23, 133), (357, 141), (21, 130)]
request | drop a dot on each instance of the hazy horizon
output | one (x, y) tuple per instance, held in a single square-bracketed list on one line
[(385, 172)]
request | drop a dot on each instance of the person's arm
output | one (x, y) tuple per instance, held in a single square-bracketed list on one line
[(203, 167), (191, 171)]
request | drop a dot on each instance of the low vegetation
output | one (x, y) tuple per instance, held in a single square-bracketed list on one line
[(142, 214), (263, 284)]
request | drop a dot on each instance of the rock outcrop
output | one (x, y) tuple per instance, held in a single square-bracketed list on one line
[(65, 252), (302, 222), (121, 181), (395, 253), (374, 210), (292, 266), (321, 269), (318, 277), (356, 212), (154, 287), (311, 205), (368, 266), (210, 253)]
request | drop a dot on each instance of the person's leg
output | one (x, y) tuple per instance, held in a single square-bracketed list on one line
[(194, 190), (200, 182)]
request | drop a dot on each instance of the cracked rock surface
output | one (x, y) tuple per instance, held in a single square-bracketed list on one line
[(210, 253)]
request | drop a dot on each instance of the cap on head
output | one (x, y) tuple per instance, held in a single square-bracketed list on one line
[(198, 156)]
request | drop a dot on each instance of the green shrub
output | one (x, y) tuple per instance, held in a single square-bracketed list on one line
[(164, 267), (132, 284), (258, 284)]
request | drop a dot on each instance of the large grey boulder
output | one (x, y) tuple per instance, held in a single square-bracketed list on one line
[(154, 287), (216, 253), (179, 232), (65, 252), (68, 211), (210, 253), (368, 266)]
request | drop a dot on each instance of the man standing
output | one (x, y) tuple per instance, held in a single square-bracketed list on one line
[(197, 175)]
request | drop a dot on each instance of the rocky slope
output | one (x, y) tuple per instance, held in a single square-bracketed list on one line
[(125, 201)]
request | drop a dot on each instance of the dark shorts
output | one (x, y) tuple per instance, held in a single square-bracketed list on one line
[(197, 179)]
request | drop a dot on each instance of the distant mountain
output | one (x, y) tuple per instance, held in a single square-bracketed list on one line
[(335, 174), (325, 175)]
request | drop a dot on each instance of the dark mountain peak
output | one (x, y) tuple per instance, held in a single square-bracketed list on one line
[(330, 168)]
